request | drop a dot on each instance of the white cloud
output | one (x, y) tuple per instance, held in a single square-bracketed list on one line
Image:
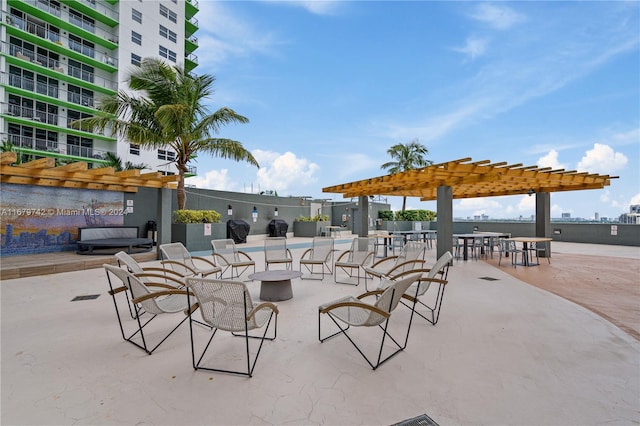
[(213, 179), (527, 204), (283, 172), (550, 160), (475, 47), (602, 159), (477, 205), (497, 17), (635, 199)]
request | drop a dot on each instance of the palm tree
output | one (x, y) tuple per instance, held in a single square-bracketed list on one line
[(409, 156), (116, 162), (167, 109)]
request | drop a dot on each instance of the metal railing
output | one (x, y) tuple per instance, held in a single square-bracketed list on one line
[(45, 33), (47, 89), (45, 145), (31, 113)]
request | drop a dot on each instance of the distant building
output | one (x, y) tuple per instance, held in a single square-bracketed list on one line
[(566, 215), (633, 217)]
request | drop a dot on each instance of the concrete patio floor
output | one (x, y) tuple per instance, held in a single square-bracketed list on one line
[(504, 352)]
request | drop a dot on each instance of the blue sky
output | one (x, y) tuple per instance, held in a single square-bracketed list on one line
[(330, 86)]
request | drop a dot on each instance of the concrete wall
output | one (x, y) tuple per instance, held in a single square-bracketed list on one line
[(594, 233)]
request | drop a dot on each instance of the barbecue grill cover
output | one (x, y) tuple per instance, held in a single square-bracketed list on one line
[(238, 230), (278, 228)]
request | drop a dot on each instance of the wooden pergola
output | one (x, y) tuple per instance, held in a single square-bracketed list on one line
[(465, 178), (473, 179), (43, 172)]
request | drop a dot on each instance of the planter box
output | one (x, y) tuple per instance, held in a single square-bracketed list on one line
[(308, 229), (191, 235)]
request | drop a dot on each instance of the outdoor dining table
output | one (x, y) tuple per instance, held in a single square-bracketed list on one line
[(525, 249), (470, 237)]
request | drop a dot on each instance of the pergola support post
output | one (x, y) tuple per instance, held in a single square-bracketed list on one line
[(363, 225), (164, 217), (543, 216), (444, 218)]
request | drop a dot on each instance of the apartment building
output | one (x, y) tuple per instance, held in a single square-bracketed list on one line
[(59, 57)]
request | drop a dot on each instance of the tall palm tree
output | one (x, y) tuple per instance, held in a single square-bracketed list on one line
[(166, 109), (409, 156)]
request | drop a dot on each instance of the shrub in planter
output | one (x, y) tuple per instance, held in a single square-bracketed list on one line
[(416, 215), (385, 214), (196, 216), (316, 218)]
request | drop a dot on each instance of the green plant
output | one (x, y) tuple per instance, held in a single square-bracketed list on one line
[(385, 214), (316, 218), (196, 216), (164, 107), (416, 215)]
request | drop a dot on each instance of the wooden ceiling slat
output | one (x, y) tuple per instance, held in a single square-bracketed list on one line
[(40, 163), (8, 158), (73, 167)]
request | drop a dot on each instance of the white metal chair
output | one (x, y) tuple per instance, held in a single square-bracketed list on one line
[(176, 257), (352, 311), (509, 248), (319, 255), (437, 274), (411, 257), (535, 248), (276, 252), (360, 255), (128, 262), (227, 306), (150, 298), (228, 256)]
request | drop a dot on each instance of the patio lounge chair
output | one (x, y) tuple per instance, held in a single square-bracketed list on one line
[(411, 257), (360, 255), (227, 256), (276, 252), (151, 298), (176, 257), (320, 254), (437, 274), (352, 311), (227, 306), (128, 262)]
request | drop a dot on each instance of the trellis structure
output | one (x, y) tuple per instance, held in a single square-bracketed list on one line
[(473, 179), (43, 172), (465, 178)]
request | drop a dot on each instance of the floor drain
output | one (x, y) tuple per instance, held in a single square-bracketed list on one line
[(489, 279), (87, 297)]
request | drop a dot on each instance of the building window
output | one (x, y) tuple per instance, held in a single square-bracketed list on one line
[(164, 173), (166, 155), (136, 16), (168, 34), (136, 38), (135, 60), (134, 149), (169, 14), (167, 53)]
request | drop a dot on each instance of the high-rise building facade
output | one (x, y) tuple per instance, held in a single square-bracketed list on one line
[(59, 57)]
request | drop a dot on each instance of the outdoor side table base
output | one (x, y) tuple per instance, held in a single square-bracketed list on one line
[(275, 284)]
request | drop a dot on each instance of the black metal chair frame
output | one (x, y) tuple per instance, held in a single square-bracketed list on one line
[(245, 335), (138, 311), (384, 327)]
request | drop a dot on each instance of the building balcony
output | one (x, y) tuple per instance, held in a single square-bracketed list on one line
[(55, 149)]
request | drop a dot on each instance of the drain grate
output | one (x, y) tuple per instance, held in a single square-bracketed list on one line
[(489, 279), (422, 420), (87, 297)]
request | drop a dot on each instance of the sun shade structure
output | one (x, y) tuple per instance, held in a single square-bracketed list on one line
[(470, 179), (42, 172)]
